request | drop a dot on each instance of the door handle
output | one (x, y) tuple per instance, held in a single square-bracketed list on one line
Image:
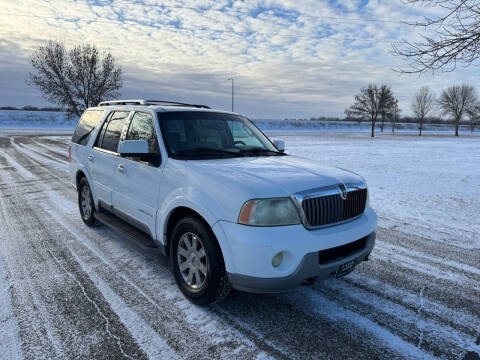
[(90, 157), (120, 168)]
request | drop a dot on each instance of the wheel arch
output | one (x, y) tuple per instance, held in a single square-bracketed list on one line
[(78, 176), (181, 212), (174, 217)]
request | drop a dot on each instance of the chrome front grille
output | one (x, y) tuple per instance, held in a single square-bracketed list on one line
[(331, 208)]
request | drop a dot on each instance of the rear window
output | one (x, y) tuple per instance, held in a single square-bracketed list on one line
[(86, 124)]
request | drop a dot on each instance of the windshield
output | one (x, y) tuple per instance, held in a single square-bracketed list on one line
[(202, 135)]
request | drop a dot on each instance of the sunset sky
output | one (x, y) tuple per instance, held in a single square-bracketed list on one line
[(289, 58)]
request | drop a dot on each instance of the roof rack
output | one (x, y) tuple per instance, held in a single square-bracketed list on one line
[(122, 102), (173, 103), (150, 102)]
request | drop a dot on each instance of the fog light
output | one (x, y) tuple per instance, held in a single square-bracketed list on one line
[(277, 259)]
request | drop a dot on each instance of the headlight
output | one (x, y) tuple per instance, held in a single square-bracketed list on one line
[(269, 212)]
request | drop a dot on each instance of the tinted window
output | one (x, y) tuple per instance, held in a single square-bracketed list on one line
[(143, 128), (110, 135), (86, 124)]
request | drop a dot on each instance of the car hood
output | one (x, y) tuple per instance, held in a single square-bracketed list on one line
[(274, 176)]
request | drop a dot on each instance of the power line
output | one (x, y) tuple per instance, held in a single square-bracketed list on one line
[(193, 29)]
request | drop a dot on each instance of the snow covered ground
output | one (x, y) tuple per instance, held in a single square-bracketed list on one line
[(69, 291)]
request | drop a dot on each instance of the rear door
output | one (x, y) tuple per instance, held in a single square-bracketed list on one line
[(79, 150), (137, 182), (103, 158)]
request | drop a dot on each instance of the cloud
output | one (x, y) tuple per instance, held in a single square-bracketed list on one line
[(289, 58)]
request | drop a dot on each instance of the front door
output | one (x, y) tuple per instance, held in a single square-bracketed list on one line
[(137, 180)]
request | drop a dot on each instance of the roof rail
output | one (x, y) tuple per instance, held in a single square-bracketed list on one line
[(150, 102), (122, 102), (156, 102)]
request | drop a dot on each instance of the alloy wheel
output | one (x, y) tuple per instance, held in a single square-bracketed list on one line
[(86, 202), (192, 260)]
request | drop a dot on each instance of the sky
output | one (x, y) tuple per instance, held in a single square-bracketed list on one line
[(288, 58)]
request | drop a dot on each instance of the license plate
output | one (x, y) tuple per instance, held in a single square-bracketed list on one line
[(346, 268)]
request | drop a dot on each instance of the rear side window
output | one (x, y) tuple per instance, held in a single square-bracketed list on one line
[(86, 124), (112, 129), (143, 128)]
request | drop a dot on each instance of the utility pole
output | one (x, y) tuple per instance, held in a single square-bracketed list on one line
[(232, 91), (394, 117)]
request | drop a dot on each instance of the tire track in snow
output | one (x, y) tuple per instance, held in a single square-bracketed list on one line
[(9, 340), (56, 296), (403, 321)]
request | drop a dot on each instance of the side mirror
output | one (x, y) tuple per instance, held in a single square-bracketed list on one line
[(133, 147), (279, 144)]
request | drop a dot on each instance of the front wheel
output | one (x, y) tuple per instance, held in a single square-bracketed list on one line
[(197, 262), (85, 203)]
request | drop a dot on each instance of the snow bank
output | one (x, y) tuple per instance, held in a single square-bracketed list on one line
[(21, 119)]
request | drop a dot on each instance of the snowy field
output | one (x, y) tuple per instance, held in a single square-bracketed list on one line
[(50, 120), (68, 291), (22, 119)]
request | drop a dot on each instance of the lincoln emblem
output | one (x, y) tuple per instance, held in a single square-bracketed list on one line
[(343, 192)]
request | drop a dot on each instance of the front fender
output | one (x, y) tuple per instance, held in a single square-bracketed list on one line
[(203, 204)]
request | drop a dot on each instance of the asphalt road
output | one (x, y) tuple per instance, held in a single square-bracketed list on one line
[(68, 291)]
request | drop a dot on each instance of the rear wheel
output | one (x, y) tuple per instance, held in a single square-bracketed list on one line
[(197, 262), (85, 203)]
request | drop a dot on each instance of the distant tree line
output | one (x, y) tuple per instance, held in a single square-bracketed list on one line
[(459, 103), (32, 108)]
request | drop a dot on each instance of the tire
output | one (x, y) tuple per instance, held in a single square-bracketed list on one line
[(200, 275), (86, 204)]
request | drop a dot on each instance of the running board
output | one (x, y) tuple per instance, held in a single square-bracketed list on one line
[(123, 228)]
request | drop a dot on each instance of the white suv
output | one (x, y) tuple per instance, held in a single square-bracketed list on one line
[(228, 206)]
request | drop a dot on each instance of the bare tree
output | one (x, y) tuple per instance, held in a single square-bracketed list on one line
[(457, 101), (456, 37), (366, 106), (422, 106), (74, 79), (474, 115), (387, 103), (372, 102)]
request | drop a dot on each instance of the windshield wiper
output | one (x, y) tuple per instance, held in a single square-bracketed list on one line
[(212, 151), (263, 151)]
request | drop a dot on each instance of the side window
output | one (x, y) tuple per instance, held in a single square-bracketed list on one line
[(143, 128), (86, 125), (111, 131)]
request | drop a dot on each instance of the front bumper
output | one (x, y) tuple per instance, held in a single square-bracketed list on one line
[(308, 268), (248, 251)]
